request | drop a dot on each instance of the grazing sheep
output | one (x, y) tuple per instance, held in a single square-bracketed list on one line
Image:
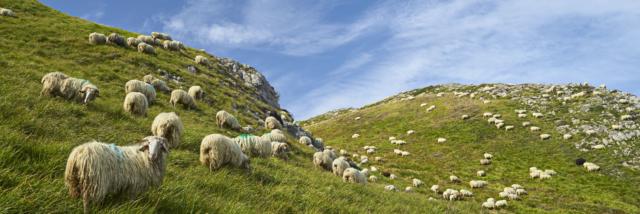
[(501, 203), (410, 132), (224, 118), (442, 140), (454, 179), (485, 161), (163, 36), (217, 150), (272, 123), (499, 125), (133, 42), (416, 182), (180, 96), (466, 193), (275, 136), (487, 114), (357, 118), (305, 140), (423, 104), (169, 126), (160, 85), (95, 170), (354, 136), (591, 166), (481, 173), (373, 178), (537, 115), (147, 39), (435, 188), (353, 176), (253, 146), (408, 189), (374, 169), (7, 12), (517, 186), (52, 84), (545, 136), (521, 192), (324, 159), (525, 124), (489, 204), (142, 87), (507, 128), (135, 103), (116, 39), (404, 153), (390, 188), (464, 117), (534, 128), (550, 172), (580, 161), (146, 48), (172, 45), (522, 115), (379, 159), (280, 150), (97, 38), (79, 90), (626, 117), (477, 183), (567, 136), (202, 60), (488, 155), (392, 176), (339, 165), (451, 195), (148, 78), (196, 92), (431, 108)]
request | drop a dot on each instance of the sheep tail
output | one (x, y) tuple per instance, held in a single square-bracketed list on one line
[(71, 178)]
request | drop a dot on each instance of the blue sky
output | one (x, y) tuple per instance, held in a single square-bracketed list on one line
[(322, 55)]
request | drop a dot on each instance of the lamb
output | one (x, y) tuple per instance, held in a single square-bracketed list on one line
[(217, 150), (417, 182), (180, 96), (477, 183), (116, 39), (280, 150), (485, 161), (481, 173), (272, 123), (95, 170), (591, 166), (135, 103), (202, 60), (253, 145), (224, 118), (545, 136), (339, 165), (163, 36), (7, 12), (324, 159), (169, 126), (52, 84), (305, 140), (146, 48), (454, 179), (97, 38), (133, 42), (79, 90), (353, 176), (142, 87)]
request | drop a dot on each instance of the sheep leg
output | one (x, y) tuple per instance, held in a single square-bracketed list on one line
[(85, 203)]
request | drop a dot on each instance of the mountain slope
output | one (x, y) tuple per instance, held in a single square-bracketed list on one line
[(613, 189)]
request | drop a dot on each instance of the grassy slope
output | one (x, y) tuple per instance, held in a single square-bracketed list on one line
[(38, 132), (612, 190)]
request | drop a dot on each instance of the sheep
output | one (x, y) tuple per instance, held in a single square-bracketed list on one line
[(373, 178), (160, 85), (626, 117), (535, 174), (169, 126), (423, 104), (497, 116), (201, 60), (487, 114), (488, 204), (408, 189), (392, 176), (416, 182), (534, 128), (253, 146), (339, 165), (148, 78), (272, 123), (481, 173), (365, 172), (364, 159), (491, 120), (567, 136), (466, 193), (180, 96), (353, 176), (507, 128), (410, 132), (162, 36), (392, 138), (357, 118), (52, 84), (147, 40), (378, 159), (354, 136), (591, 166), (217, 150), (390, 188), (513, 196), (501, 203), (550, 172), (442, 140), (522, 115), (97, 38), (485, 161), (509, 190), (142, 87), (374, 169), (451, 195), (477, 183), (133, 42), (95, 170), (305, 140), (431, 108), (275, 136), (517, 186), (324, 159), (526, 123), (224, 118), (487, 155), (280, 150), (135, 103), (545, 136), (537, 115), (464, 117), (521, 192), (116, 39), (404, 153), (79, 90), (7, 12), (146, 48), (196, 92), (435, 188), (454, 179)]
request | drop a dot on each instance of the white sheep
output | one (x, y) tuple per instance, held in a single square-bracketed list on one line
[(172, 45), (196, 92), (410, 132), (146, 48), (147, 40), (169, 126), (135, 103), (97, 38), (52, 84), (466, 193), (79, 90), (339, 165), (353, 176), (280, 150), (390, 188), (454, 179), (442, 140), (7, 12), (162, 36), (487, 114), (133, 42), (393, 176), (254, 146), (378, 159), (501, 203), (408, 189), (481, 173), (477, 183), (324, 159), (417, 182), (217, 150), (521, 192), (305, 140), (160, 85), (95, 170), (201, 60), (534, 128), (431, 108), (537, 115), (180, 96), (626, 117), (507, 128), (272, 123), (522, 115), (373, 178), (591, 166), (354, 136), (489, 204), (374, 169), (139, 86), (487, 155), (485, 161), (526, 123), (567, 136), (464, 117), (116, 39), (404, 153), (545, 136), (275, 136), (435, 188)]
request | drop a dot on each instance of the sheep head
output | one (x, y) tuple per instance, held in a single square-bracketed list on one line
[(90, 93), (246, 162), (155, 145)]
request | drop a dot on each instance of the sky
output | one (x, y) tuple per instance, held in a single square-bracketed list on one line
[(322, 55)]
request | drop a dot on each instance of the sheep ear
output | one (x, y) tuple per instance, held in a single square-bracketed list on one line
[(164, 147), (144, 145)]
